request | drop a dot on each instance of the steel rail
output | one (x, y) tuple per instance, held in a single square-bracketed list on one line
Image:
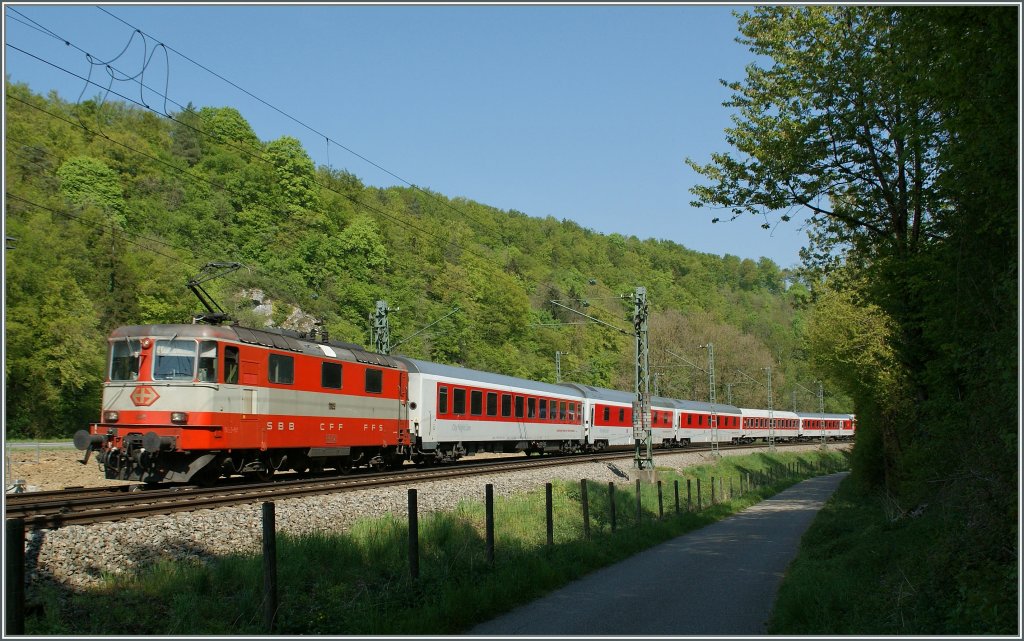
[(55, 509)]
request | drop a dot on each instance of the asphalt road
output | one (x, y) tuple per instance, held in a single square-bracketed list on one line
[(719, 580)]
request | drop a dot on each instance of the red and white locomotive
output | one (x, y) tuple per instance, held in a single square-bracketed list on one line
[(190, 403)]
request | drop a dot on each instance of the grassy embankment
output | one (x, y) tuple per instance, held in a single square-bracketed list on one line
[(359, 583), (866, 569)]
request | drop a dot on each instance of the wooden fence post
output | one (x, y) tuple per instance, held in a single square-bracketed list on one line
[(585, 501), (549, 508), (489, 521), (414, 536), (269, 566), (700, 498), (15, 576), (611, 503), (639, 505), (661, 509), (689, 497), (677, 496)]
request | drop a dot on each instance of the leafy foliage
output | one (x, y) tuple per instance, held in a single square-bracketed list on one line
[(896, 128)]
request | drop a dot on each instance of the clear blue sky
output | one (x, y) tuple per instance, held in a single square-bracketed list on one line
[(578, 112)]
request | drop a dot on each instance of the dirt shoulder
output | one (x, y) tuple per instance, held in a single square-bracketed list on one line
[(51, 469)]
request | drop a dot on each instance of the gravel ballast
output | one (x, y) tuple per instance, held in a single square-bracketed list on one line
[(79, 556)]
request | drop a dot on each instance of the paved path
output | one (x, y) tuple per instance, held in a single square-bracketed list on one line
[(719, 580)]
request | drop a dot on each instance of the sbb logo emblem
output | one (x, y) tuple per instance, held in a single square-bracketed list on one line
[(144, 396)]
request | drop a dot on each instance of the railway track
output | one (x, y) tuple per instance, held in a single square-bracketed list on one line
[(82, 506)]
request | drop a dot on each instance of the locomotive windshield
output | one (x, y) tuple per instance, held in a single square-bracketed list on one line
[(124, 360), (174, 360)]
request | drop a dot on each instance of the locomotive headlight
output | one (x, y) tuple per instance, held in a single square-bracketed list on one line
[(110, 416), (179, 418)]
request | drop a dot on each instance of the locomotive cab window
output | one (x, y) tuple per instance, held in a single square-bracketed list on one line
[(330, 375), (124, 360), (282, 369), (207, 370), (174, 360), (374, 381), (230, 364)]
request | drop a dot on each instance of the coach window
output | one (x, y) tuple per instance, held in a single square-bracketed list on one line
[(607, 413), (230, 364), (330, 375), (492, 403), (506, 405), (561, 409), (476, 402), (374, 381), (519, 407), (282, 369), (572, 412), (459, 401), (543, 408), (442, 400), (622, 414), (531, 407)]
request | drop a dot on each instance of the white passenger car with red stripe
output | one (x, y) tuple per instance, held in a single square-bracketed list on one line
[(835, 426), (757, 424), (455, 411), (695, 422)]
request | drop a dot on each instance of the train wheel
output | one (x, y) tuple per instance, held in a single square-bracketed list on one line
[(262, 476)]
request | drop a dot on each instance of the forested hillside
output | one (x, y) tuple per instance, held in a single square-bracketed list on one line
[(111, 208)]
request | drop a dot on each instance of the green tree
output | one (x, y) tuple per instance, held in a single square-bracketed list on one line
[(896, 128), (85, 180)]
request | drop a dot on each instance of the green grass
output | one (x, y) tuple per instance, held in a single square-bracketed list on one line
[(359, 582), (862, 572)]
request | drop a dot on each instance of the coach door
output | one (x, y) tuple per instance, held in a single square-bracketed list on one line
[(404, 428)]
